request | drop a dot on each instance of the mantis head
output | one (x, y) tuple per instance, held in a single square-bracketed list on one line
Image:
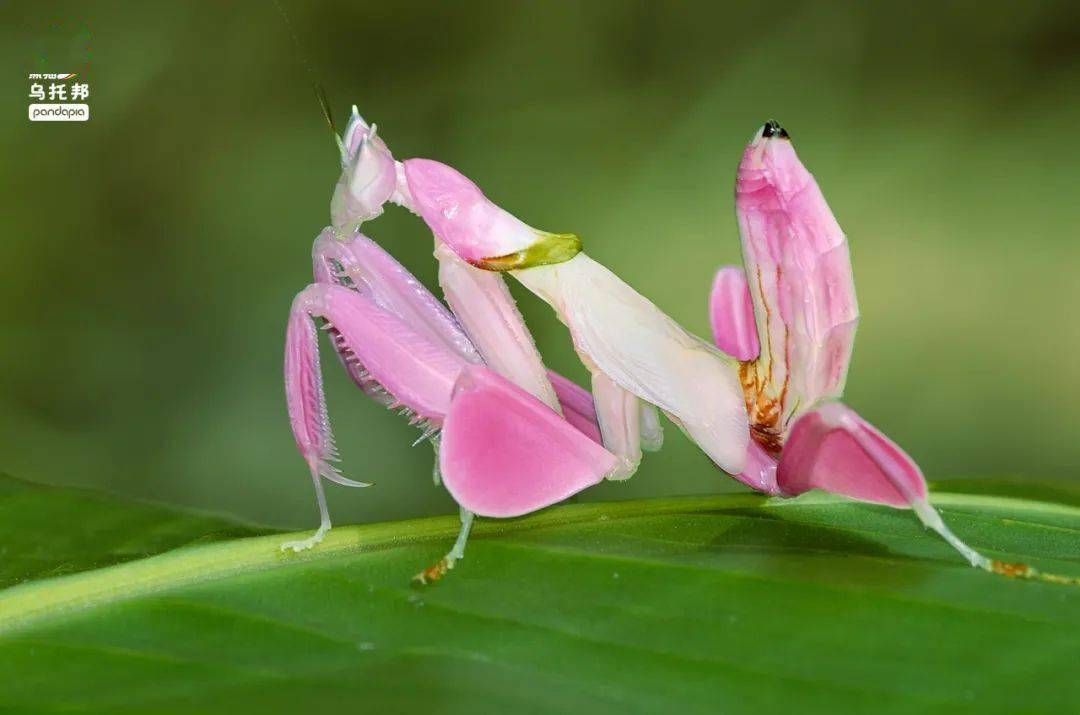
[(368, 176)]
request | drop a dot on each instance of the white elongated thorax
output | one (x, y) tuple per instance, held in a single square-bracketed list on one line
[(621, 333)]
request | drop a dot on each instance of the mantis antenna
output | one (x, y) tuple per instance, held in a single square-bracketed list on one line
[(320, 92)]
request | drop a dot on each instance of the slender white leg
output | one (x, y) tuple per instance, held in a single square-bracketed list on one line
[(483, 304), (932, 520), (324, 520), (652, 432), (435, 473), (619, 415), (437, 570), (458, 551)]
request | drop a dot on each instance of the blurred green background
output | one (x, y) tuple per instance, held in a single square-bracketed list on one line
[(149, 256)]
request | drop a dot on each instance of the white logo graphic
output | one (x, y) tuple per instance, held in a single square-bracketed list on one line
[(58, 94)]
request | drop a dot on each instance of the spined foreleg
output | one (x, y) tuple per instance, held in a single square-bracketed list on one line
[(308, 416), (394, 363)]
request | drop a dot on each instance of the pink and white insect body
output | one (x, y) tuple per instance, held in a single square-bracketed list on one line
[(790, 317), (405, 349), (512, 437)]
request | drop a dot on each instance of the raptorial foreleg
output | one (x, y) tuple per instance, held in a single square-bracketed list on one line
[(308, 416), (394, 363)]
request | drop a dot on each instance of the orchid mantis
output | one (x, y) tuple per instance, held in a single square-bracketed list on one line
[(401, 346), (512, 437)]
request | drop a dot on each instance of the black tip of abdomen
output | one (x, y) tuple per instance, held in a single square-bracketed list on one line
[(772, 128)]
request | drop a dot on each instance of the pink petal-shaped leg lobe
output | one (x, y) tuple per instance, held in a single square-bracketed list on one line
[(505, 453), (731, 314), (833, 449)]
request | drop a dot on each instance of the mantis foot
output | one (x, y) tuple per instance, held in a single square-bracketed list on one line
[(304, 544), (324, 520), (437, 570), (434, 572)]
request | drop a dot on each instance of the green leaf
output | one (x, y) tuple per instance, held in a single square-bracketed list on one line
[(1059, 492), (732, 604), (47, 531)]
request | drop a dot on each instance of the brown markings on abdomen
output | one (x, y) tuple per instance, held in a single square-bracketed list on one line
[(762, 411)]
